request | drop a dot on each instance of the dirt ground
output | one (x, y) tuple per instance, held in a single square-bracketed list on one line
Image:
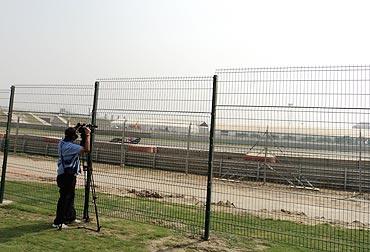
[(214, 244), (264, 200)]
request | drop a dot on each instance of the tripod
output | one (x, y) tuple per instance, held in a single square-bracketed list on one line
[(88, 173), (89, 178)]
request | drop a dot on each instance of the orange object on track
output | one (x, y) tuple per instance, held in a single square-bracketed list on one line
[(142, 148)]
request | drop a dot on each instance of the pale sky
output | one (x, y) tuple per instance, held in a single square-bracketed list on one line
[(78, 41)]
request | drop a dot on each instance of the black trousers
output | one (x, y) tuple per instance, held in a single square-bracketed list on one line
[(66, 212)]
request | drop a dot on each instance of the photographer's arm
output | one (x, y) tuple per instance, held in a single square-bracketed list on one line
[(86, 147)]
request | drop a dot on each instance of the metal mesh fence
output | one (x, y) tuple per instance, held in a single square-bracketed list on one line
[(290, 163), (41, 114), (151, 149), (292, 144)]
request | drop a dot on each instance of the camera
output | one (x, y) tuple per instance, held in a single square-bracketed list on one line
[(80, 128)]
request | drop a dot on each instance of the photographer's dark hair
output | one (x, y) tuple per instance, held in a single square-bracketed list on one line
[(70, 134)]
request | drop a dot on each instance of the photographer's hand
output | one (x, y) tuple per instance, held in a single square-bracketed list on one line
[(87, 143), (87, 131)]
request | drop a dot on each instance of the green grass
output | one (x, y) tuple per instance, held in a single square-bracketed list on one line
[(27, 231), (22, 230), (38, 200)]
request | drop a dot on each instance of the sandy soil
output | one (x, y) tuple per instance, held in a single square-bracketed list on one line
[(264, 200)]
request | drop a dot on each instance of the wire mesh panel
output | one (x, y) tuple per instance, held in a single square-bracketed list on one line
[(292, 155), (151, 148), (40, 116)]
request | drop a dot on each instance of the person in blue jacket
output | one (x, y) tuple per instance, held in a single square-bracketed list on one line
[(67, 171)]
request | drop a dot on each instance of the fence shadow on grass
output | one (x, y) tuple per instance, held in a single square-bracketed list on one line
[(9, 233)]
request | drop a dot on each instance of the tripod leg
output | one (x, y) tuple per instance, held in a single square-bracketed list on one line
[(93, 192), (85, 216)]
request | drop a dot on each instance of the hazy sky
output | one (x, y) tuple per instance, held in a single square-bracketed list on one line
[(69, 41)]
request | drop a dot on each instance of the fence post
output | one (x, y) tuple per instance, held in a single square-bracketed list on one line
[(89, 155), (154, 160), (16, 136), (188, 150), (345, 178), (6, 144), (210, 160), (24, 145), (220, 170), (360, 166), (46, 149), (123, 150)]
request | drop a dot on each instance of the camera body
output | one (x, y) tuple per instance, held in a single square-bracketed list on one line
[(80, 128)]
